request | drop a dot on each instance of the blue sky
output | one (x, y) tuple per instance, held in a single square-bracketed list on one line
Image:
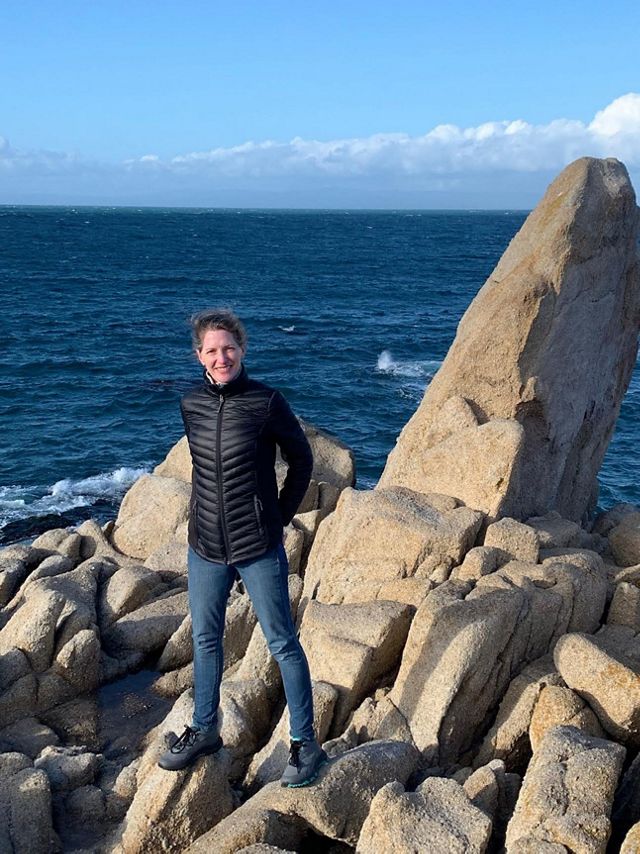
[(252, 102)]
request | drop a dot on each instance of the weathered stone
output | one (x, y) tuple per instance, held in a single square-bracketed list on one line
[(339, 804), (438, 817), (293, 545), (351, 646), (514, 540), (333, 461), (78, 661), (380, 536), (624, 540), (267, 765), (467, 646), (478, 561), (567, 793), (16, 563), (607, 678), (126, 590), (148, 628), (25, 808), (27, 736), (55, 564), (631, 844), (576, 250), (18, 699), (558, 706), (150, 513), (60, 540), (32, 629), (68, 767), (624, 609), (171, 557), (75, 722), (86, 805), (605, 522), (78, 588), (555, 532)]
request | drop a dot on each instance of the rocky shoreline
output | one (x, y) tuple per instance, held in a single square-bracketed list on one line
[(473, 633)]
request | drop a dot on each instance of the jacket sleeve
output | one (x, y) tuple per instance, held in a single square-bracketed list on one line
[(296, 452)]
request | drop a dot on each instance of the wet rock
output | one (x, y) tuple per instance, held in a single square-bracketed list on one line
[(558, 706), (438, 817), (150, 513), (380, 536), (577, 249), (340, 802), (567, 793)]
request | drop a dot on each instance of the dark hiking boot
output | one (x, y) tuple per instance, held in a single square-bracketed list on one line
[(305, 760), (188, 747)]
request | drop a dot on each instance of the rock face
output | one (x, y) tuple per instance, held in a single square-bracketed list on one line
[(547, 346), (567, 794)]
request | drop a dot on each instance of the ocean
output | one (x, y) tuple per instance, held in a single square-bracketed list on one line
[(349, 313)]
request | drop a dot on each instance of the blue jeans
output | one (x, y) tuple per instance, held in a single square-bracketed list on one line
[(265, 580)]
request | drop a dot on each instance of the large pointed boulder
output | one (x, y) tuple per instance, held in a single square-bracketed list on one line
[(548, 346)]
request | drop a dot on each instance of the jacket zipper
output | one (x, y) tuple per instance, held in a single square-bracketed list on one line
[(225, 532), (259, 514)]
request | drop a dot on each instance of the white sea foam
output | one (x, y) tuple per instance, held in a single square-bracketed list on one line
[(424, 369), (287, 328), (20, 502)]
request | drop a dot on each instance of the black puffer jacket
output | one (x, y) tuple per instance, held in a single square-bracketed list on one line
[(236, 513)]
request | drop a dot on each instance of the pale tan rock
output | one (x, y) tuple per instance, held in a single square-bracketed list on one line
[(68, 767), (333, 461), (55, 564), (335, 807), (25, 806), (624, 609), (149, 514), (18, 699), (78, 588), (127, 589), (624, 540), (149, 627), (78, 661), (607, 679), (514, 540), (567, 793), (351, 646), (310, 498), (494, 791), (379, 536), (555, 532), (605, 522), (178, 650), (328, 495), (171, 557), (558, 706), (468, 645), (60, 540), (438, 817), (28, 736), (576, 250), (631, 844), (32, 629), (478, 561), (268, 764), (293, 540), (15, 566), (177, 463)]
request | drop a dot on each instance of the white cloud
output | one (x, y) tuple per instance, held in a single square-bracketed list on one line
[(446, 157)]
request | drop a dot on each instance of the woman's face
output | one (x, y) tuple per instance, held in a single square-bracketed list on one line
[(221, 355)]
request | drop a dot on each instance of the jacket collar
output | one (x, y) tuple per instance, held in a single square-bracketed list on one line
[(236, 385)]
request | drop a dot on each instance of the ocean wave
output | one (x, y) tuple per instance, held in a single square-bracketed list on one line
[(287, 328), (418, 369), (19, 502)]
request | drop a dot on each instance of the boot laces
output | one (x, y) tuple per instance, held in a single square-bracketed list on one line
[(187, 739), (294, 754)]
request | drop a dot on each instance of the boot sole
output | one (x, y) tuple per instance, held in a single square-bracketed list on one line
[(205, 751), (323, 761)]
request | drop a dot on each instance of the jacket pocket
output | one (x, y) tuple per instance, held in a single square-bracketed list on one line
[(257, 504)]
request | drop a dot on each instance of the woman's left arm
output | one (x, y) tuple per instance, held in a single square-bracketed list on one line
[(296, 452)]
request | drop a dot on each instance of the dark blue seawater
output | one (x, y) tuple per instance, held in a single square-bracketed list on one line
[(348, 313)]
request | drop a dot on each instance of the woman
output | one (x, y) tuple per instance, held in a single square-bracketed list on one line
[(233, 424)]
